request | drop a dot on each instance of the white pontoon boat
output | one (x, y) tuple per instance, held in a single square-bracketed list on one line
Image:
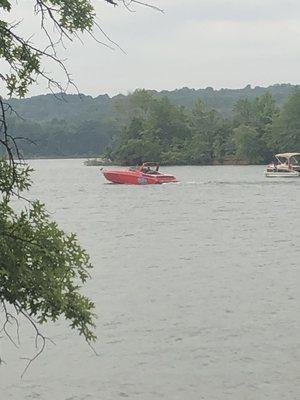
[(286, 165)]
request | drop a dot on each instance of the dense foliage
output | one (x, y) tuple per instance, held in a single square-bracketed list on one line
[(41, 267), (159, 130), (178, 127)]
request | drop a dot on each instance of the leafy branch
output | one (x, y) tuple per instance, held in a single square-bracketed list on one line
[(41, 267)]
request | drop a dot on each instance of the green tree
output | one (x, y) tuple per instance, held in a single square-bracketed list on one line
[(137, 151), (205, 123), (134, 105), (251, 122), (284, 134), (170, 120), (155, 130), (219, 147), (243, 111), (199, 150), (265, 110), (248, 144)]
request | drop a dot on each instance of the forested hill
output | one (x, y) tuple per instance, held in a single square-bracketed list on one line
[(223, 100), (47, 107), (67, 106), (183, 126)]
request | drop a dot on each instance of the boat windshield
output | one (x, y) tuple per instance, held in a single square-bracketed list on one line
[(149, 170), (294, 160), (146, 168), (282, 160)]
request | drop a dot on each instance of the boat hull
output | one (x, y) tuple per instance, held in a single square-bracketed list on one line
[(137, 178), (290, 174)]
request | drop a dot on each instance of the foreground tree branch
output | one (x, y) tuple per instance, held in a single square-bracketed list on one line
[(41, 267), (69, 20)]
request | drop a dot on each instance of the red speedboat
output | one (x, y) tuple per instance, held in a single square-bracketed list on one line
[(147, 174)]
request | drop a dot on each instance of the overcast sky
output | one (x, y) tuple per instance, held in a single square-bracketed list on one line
[(195, 43)]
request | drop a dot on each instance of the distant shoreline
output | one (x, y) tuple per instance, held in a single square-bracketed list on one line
[(214, 163)]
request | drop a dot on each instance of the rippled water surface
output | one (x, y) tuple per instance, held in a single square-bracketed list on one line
[(196, 286)]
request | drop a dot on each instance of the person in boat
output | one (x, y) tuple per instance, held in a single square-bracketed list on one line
[(146, 170)]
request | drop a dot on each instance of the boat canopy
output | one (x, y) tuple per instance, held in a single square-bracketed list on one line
[(287, 155)]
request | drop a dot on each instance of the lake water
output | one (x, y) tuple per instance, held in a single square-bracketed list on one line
[(196, 287)]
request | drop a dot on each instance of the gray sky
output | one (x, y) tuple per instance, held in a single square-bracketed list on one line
[(195, 43)]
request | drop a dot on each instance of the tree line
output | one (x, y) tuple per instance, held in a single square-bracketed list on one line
[(156, 129), (147, 125)]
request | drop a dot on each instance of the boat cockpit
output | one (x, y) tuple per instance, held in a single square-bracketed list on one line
[(150, 168)]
